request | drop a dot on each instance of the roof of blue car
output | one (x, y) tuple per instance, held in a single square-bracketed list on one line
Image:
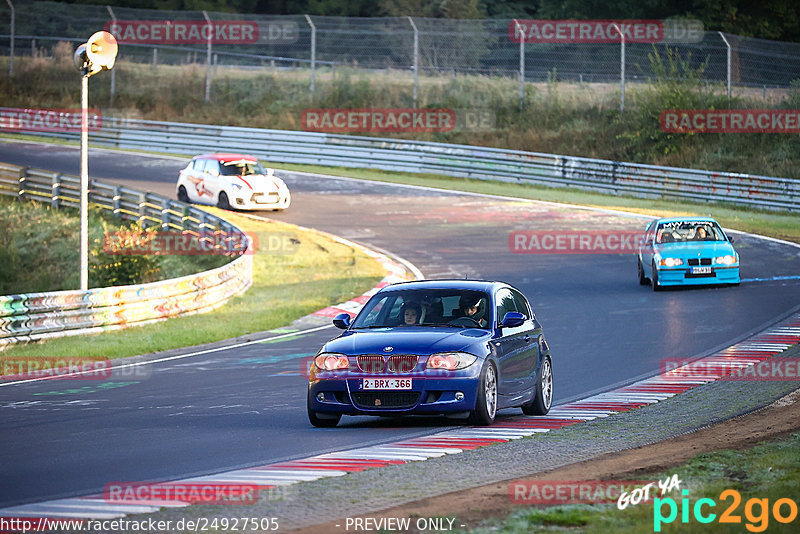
[(678, 219), (477, 285)]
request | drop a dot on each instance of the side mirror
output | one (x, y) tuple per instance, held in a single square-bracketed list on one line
[(730, 238), (342, 321), (512, 320)]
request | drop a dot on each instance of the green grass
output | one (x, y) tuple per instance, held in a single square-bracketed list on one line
[(39, 251), (768, 471), (310, 273)]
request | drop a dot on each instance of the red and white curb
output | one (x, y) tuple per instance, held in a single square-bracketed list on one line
[(751, 351)]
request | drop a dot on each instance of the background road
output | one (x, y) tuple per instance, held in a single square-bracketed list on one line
[(246, 406)]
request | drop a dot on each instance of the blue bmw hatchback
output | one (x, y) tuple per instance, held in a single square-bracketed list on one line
[(459, 348)]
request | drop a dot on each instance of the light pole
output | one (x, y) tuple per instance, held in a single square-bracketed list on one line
[(97, 54)]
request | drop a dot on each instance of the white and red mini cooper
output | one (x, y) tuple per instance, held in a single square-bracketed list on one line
[(232, 181)]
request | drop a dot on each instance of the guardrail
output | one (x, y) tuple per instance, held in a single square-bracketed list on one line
[(36, 316), (281, 146)]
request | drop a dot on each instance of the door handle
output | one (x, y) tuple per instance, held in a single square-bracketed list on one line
[(527, 339)]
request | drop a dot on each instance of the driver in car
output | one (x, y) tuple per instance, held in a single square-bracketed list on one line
[(411, 313), (473, 307)]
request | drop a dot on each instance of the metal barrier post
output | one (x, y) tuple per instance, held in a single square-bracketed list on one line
[(313, 54), (113, 71), (155, 58), (208, 56), (416, 59), (55, 192), (521, 64), (116, 201), (728, 45)]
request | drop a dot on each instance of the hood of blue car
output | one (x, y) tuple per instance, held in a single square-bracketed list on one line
[(406, 340), (695, 249)]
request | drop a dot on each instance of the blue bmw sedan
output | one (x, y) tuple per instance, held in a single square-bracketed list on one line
[(459, 348), (682, 251)]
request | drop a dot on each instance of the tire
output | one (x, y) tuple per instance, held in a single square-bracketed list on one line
[(183, 196), (643, 280), (541, 402), (329, 421), (486, 403), (656, 286), (222, 201)]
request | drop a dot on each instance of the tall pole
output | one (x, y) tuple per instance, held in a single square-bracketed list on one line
[(621, 69), (84, 183), (728, 45), (313, 54), (11, 58), (416, 59), (208, 56), (521, 64), (113, 72)]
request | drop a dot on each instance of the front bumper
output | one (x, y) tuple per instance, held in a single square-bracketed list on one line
[(261, 200), (431, 393), (682, 276)]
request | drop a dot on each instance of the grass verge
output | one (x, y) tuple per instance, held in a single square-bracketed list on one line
[(767, 472), (295, 272)]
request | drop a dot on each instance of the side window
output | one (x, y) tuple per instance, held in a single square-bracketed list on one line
[(505, 303), (211, 166), (198, 165), (521, 303)]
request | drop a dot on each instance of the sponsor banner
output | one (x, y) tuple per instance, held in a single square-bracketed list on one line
[(574, 241), (15, 368), (48, 120), (730, 120), (555, 492), (185, 31), (733, 369), (194, 492), (352, 120)]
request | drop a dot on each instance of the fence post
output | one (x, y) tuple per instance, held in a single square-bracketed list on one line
[(165, 202), (55, 193), (11, 55), (155, 58), (313, 54), (208, 56), (521, 63), (116, 201), (416, 59), (621, 69), (113, 71), (728, 45), (143, 209)]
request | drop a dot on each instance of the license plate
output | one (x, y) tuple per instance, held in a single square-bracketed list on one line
[(386, 383), (701, 270)]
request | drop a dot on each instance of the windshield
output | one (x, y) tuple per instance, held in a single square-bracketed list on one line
[(426, 307), (686, 231), (241, 168)]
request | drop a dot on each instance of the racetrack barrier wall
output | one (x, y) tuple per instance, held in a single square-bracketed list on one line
[(37, 316), (612, 177)]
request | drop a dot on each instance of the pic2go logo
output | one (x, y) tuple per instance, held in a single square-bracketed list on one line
[(756, 511)]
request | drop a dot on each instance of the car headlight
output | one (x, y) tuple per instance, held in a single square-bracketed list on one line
[(451, 360), (727, 259), (329, 361), (670, 262)]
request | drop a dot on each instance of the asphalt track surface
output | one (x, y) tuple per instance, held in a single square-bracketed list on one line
[(246, 406)]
